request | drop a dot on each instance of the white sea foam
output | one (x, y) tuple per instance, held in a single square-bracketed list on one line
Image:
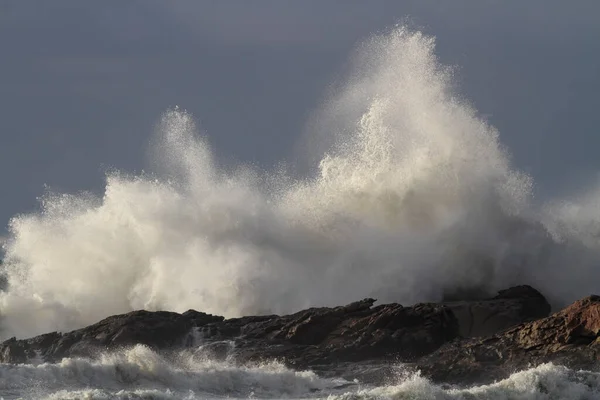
[(139, 373), (544, 382), (413, 196)]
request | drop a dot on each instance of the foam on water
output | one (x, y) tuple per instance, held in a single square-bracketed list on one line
[(544, 382), (139, 373), (412, 197)]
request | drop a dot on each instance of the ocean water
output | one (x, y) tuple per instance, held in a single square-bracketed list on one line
[(139, 373), (409, 196)]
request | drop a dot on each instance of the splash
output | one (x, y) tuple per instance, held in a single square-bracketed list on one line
[(139, 372), (413, 198), (546, 381)]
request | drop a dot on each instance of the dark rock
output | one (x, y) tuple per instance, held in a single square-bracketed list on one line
[(159, 330), (510, 307), (317, 338), (13, 351), (570, 337)]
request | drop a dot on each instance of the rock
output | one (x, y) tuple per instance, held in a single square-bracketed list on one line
[(569, 337), (510, 307), (318, 338), (13, 351), (384, 332), (158, 330)]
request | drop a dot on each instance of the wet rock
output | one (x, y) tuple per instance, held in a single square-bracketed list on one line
[(318, 338), (569, 337), (510, 307), (159, 330), (13, 351)]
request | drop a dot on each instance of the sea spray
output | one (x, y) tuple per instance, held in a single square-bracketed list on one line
[(546, 381), (413, 198)]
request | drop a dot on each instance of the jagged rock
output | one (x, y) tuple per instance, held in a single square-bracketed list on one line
[(159, 330), (510, 307), (354, 333), (570, 337), (312, 338), (13, 351)]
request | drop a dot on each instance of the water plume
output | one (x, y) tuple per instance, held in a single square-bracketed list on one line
[(413, 199)]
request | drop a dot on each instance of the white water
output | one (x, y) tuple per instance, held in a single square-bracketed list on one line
[(139, 373), (544, 382), (413, 197)]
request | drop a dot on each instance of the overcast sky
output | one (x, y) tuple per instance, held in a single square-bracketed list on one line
[(83, 83)]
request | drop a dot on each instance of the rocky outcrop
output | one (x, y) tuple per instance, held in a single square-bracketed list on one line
[(510, 307), (570, 337), (159, 329), (352, 333), (311, 338)]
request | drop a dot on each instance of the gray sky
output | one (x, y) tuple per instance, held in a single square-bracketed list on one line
[(83, 83)]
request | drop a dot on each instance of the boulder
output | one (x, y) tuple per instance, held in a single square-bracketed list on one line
[(157, 330), (510, 307), (569, 337)]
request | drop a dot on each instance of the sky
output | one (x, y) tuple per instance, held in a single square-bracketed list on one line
[(83, 84)]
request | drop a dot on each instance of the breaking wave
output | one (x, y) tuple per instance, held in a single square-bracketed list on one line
[(413, 198), (546, 381), (139, 373)]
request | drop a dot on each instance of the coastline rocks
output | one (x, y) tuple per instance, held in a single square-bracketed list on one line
[(510, 307), (358, 332), (160, 330), (569, 337)]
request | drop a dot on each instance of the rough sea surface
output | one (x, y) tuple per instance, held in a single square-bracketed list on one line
[(139, 373)]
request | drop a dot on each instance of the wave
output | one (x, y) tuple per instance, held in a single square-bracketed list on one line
[(413, 197), (142, 373), (547, 381), (139, 373)]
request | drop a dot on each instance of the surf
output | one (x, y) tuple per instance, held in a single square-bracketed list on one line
[(139, 372)]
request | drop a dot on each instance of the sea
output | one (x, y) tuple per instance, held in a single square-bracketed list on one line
[(400, 191), (140, 373)]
